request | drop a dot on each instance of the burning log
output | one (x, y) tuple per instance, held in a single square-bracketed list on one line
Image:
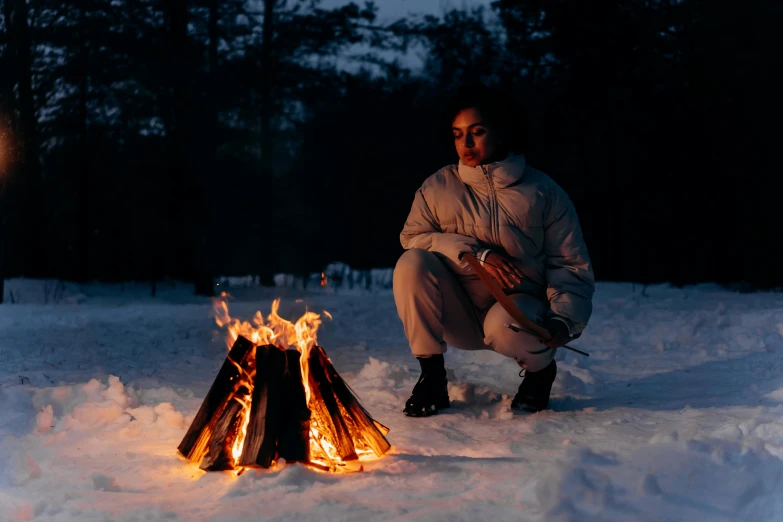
[(265, 411), (194, 444), (325, 409), (332, 386), (294, 439), (219, 456)]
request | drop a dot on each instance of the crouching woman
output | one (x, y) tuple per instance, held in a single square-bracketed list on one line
[(522, 227)]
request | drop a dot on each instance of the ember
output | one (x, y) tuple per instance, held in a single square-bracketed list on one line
[(269, 401)]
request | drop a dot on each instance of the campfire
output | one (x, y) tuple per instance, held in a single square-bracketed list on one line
[(278, 396)]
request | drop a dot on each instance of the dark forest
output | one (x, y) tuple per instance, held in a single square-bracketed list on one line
[(188, 139)]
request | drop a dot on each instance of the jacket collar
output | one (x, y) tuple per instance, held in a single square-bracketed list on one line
[(502, 173)]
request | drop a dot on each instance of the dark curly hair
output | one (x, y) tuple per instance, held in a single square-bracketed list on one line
[(497, 106)]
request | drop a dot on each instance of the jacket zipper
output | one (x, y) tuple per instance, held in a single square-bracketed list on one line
[(493, 208)]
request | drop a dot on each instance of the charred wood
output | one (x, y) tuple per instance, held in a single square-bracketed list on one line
[(219, 455), (265, 411), (195, 443), (356, 415), (294, 441), (325, 408)]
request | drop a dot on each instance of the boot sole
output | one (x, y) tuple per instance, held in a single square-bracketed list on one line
[(440, 404), (524, 408)]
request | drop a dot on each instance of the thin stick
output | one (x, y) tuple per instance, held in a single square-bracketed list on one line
[(518, 328)]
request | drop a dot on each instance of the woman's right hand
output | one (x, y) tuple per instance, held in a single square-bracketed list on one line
[(503, 270)]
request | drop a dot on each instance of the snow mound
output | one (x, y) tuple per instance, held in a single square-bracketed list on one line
[(573, 380), (381, 374), (42, 291), (677, 480), (96, 408)]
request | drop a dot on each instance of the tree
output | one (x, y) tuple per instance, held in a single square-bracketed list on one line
[(267, 76), (6, 112), (463, 48), (187, 216), (26, 208)]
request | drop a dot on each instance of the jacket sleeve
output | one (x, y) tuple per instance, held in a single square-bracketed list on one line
[(422, 230), (569, 272)]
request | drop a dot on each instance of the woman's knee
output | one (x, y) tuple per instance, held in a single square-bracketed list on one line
[(517, 345), (520, 346)]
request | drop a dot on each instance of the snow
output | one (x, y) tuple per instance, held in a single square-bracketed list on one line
[(676, 415)]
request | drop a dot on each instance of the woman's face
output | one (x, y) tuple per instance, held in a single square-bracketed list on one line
[(477, 143)]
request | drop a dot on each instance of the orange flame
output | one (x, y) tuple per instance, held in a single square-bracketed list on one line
[(274, 330), (239, 441), (324, 280)]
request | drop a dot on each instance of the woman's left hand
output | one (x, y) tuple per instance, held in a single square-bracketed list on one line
[(503, 270), (558, 333)]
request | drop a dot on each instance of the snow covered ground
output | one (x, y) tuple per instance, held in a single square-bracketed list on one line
[(677, 414)]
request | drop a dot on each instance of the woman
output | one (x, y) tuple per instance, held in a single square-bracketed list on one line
[(523, 228)]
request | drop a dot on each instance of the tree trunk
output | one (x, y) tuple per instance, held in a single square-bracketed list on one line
[(178, 254), (6, 124), (213, 42), (189, 215), (203, 281), (28, 137), (267, 79), (7, 81), (178, 19), (266, 109), (83, 271), (27, 197), (2, 249)]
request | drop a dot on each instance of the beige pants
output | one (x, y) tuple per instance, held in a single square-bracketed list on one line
[(438, 307)]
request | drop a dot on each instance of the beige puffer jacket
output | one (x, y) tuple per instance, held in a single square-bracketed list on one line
[(511, 208)]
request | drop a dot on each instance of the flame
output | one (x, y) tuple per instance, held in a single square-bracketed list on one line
[(301, 335), (239, 441), (324, 280), (245, 381)]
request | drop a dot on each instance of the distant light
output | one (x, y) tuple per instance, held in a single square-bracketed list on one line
[(5, 149), (2, 155)]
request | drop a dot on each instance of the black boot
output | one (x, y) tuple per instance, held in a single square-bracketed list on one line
[(533, 394), (430, 394)]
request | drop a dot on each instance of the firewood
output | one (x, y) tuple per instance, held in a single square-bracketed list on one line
[(194, 444), (383, 429), (294, 441), (325, 409), (363, 423), (219, 456), (265, 411)]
